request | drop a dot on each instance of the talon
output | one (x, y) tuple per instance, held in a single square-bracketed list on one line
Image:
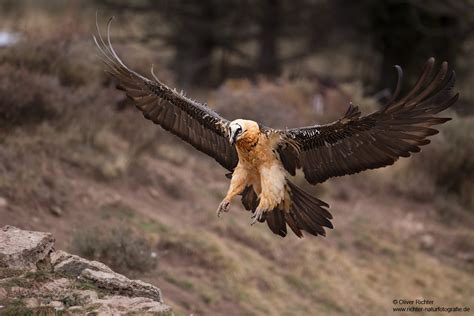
[(256, 216), (253, 219), (223, 207)]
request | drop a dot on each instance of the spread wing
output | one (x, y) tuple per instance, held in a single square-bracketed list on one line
[(193, 122), (355, 143)]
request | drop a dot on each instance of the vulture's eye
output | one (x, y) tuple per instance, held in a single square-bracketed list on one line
[(239, 130)]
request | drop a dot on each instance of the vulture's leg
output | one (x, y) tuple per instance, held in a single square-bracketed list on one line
[(237, 186), (272, 181)]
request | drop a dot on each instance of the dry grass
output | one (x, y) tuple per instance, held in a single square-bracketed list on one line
[(310, 276), (119, 247), (443, 170)]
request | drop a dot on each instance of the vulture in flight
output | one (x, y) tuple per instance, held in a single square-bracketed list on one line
[(260, 159)]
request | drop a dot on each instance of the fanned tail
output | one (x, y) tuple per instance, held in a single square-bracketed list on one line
[(306, 212)]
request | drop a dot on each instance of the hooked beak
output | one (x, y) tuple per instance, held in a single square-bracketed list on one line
[(232, 137)]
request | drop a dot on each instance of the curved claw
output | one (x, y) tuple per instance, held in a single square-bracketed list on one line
[(253, 220), (223, 207), (257, 216)]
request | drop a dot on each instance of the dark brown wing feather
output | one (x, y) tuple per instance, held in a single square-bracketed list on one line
[(193, 122), (354, 143)]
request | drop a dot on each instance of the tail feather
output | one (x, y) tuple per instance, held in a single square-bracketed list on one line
[(306, 212), (276, 222), (310, 212), (305, 222), (292, 222), (310, 199)]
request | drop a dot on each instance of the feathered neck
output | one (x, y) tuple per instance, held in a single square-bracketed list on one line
[(250, 139)]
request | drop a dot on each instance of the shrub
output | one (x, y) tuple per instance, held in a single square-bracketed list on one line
[(25, 98), (41, 78), (31, 55), (452, 162), (445, 167), (72, 65), (120, 248), (284, 103), (273, 104)]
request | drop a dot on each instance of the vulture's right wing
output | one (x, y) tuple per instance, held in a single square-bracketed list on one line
[(193, 122), (355, 143)]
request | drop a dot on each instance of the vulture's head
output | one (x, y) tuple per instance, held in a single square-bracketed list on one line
[(243, 130)]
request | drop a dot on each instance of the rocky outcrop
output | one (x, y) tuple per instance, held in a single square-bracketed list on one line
[(36, 279), (21, 249)]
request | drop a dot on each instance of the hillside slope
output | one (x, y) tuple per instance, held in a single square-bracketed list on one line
[(80, 162), (385, 246)]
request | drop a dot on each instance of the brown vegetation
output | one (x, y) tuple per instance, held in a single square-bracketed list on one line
[(120, 248)]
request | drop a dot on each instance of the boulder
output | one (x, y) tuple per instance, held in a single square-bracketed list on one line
[(117, 283), (73, 265), (35, 278), (21, 249), (117, 305)]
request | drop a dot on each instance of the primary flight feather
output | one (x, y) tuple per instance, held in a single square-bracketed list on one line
[(261, 158)]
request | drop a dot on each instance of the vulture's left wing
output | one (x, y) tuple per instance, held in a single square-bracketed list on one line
[(355, 143), (193, 122)]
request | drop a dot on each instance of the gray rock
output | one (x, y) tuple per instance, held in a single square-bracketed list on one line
[(56, 210), (57, 305), (105, 292), (20, 249), (73, 265), (117, 283), (3, 294), (86, 296), (3, 202), (427, 242), (57, 285), (118, 305), (76, 310), (31, 302)]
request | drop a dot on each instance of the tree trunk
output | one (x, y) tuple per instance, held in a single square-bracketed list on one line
[(268, 62)]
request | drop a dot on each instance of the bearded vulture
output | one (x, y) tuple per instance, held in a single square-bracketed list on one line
[(260, 159)]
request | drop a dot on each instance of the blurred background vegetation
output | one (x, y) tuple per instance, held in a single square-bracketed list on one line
[(78, 160)]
